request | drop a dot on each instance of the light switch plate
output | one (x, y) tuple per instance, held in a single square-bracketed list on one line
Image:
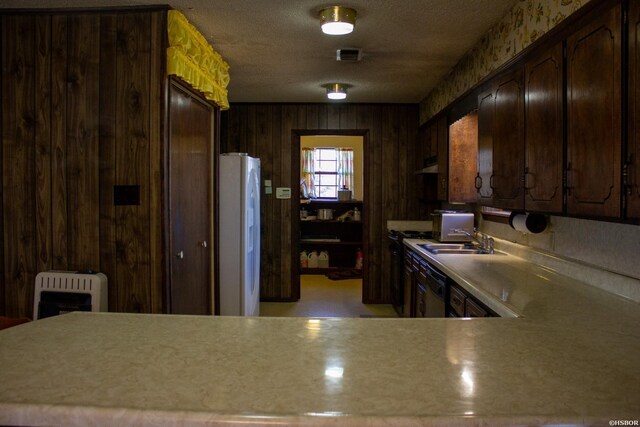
[(283, 193), (268, 190), (267, 183)]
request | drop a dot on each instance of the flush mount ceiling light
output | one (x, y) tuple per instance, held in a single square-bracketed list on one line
[(337, 20), (336, 90)]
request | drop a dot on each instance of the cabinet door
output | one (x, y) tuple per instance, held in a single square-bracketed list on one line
[(443, 157), (407, 291), (544, 131), (633, 154), (594, 117), (507, 180), (456, 302), (463, 159), (474, 310), (421, 300), (485, 147)]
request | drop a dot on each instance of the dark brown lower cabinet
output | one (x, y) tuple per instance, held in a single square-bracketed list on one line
[(420, 299), (462, 304), (408, 284)]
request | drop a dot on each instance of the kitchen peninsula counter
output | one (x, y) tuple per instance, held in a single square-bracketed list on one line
[(559, 362)]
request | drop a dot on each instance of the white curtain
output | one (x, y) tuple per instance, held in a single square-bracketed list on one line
[(307, 179), (345, 168)]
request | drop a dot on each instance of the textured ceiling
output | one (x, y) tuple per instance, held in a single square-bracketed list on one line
[(277, 52)]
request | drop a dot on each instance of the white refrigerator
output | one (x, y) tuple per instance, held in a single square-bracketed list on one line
[(239, 235)]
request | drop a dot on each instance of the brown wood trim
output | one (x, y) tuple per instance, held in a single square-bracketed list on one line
[(269, 299), (495, 218), (158, 149), (3, 307), (295, 204)]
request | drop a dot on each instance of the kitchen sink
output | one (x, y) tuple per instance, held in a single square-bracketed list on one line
[(455, 249)]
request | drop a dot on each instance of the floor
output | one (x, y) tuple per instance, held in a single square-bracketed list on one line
[(322, 297)]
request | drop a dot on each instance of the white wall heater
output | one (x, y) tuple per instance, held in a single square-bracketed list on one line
[(58, 292)]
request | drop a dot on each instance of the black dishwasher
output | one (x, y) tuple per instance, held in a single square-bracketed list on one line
[(436, 286)]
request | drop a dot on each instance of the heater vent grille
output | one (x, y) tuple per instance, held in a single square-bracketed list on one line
[(63, 289)]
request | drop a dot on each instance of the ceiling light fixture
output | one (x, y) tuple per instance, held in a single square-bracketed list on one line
[(337, 20), (336, 91)]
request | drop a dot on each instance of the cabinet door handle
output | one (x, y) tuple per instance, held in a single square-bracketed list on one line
[(491, 178), (478, 182), (203, 243), (527, 181), (180, 255), (627, 176)]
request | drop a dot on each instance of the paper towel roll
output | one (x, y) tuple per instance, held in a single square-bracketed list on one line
[(528, 223)]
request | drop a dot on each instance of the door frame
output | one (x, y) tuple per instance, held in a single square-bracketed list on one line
[(179, 84), (296, 134)]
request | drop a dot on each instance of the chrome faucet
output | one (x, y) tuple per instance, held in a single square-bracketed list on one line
[(486, 244)]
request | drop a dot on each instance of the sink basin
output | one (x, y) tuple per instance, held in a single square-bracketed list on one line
[(457, 251), (455, 248), (438, 246)]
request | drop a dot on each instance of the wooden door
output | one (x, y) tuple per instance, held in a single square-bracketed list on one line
[(544, 131), (507, 180), (485, 147), (190, 214), (633, 152), (594, 117)]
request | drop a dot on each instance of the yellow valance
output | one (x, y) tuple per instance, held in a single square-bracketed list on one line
[(191, 57)]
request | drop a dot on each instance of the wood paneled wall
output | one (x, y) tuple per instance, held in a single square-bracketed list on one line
[(82, 97), (265, 131)]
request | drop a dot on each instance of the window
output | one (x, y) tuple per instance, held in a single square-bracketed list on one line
[(326, 172)]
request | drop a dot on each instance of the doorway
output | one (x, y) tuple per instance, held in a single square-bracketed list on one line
[(191, 119), (336, 238)]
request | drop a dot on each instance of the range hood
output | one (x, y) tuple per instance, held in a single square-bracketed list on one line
[(430, 165), (428, 169)]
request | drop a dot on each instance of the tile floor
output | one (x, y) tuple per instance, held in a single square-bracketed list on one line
[(322, 297)]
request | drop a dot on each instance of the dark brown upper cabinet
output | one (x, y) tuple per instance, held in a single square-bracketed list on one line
[(500, 179), (463, 159), (594, 141), (485, 147), (544, 131), (632, 175)]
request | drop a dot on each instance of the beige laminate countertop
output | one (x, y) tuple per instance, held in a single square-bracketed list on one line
[(572, 357)]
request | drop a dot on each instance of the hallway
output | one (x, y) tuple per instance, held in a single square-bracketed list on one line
[(322, 297)]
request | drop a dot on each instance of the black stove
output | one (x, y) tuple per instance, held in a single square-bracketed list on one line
[(396, 247), (396, 235)]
